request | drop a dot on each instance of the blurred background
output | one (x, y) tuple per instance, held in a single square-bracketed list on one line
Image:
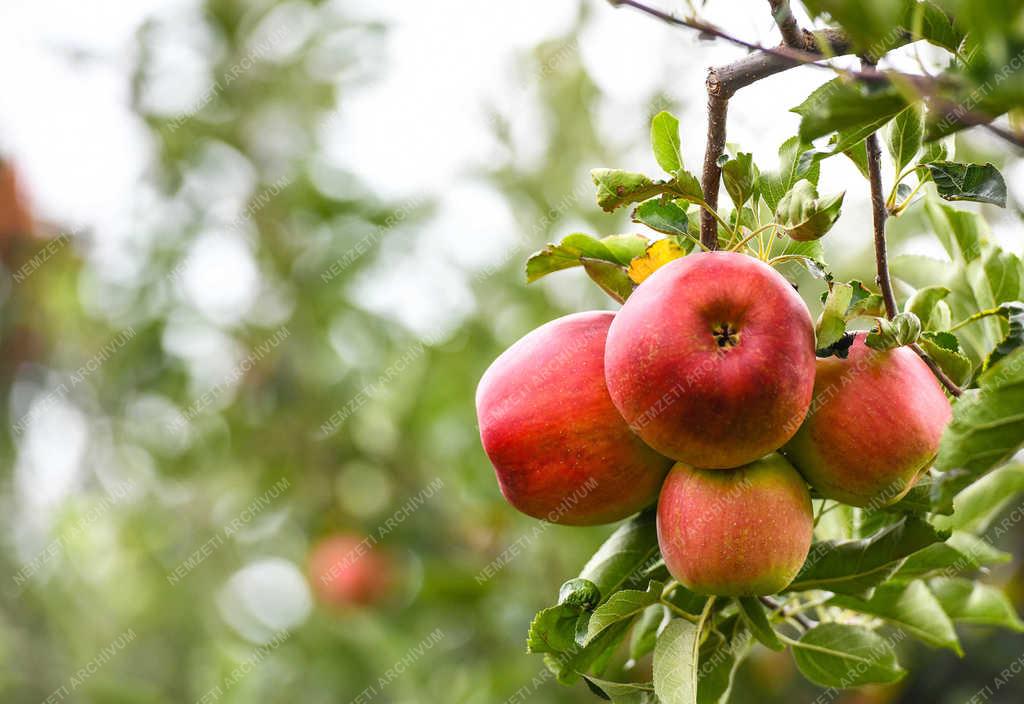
[(255, 256)]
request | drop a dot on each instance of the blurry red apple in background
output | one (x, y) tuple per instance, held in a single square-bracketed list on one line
[(711, 360), (874, 425), (346, 570), (561, 450), (735, 532)]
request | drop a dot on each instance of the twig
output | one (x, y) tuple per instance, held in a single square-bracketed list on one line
[(883, 278), (718, 108), (791, 33), (775, 605)]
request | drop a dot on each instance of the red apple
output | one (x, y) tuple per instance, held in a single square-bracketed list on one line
[(711, 360), (560, 449), (874, 425), (735, 532), (346, 570)]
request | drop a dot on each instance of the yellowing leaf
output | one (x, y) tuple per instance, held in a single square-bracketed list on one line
[(658, 254)]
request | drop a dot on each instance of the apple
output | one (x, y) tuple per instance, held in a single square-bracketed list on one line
[(874, 425), (735, 532), (346, 570), (559, 447), (711, 360)]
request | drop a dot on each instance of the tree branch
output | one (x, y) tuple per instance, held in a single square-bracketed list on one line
[(883, 278), (711, 177), (791, 34)]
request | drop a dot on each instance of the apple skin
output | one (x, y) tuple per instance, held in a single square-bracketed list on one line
[(691, 398), (346, 570), (735, 532), (561, 451), (874, 425)]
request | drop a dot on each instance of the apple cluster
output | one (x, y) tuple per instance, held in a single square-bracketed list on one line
[(704, 393)]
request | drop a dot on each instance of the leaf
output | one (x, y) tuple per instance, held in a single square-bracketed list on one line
[(676, 660), (963, 552), (616, 188), (623, 558), (627, 603), (687, 187), (774, 185), (612, 278), (923, 304), (740, 176), (665, 142), (956, 366), (903, 329), (662, 216), (645, 632), (804, 215), (980, 503), (843, 656), (938, 150), (961, 232), (857, 566), (936, 27), (831, 324), (1013, 312), (625, 247), (568, 666), (658, 254), (622, 692), (988, 423), (757, 621), (565, 255), (970, 602), (911, 607), (856, 152), (981, 183), (841, 105), (553, 630), (905, 135), (720, 657)]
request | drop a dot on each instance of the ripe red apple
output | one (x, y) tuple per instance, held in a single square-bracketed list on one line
[(874, 425), (346, 570), (711, 360), (735, 532), (560, 449)]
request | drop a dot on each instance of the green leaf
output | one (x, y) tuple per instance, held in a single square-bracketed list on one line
[(720, 655), (936, 27), (565, 255), (616, 188), (842, 105), (625, 247), (970, 602), (553, 630), (956, 366), (961, 232), (843, 656), (939, 150), (857, 566), (757, 621), (645, 632), (963, 552), (911, 607), (1013, 313), (665, 142), (988, 422), (581, 593), (612, 278), (687, 187), (774, 185), (980, 503), (627, 603), (857, 153), (903, 329), (981, 183), (623, 558), (662, 216), (676, 662), (831, 324), (740, 176), (569, 665), (804, 215), (622, 692), (924, 303), (874, 28), (905, 135)]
